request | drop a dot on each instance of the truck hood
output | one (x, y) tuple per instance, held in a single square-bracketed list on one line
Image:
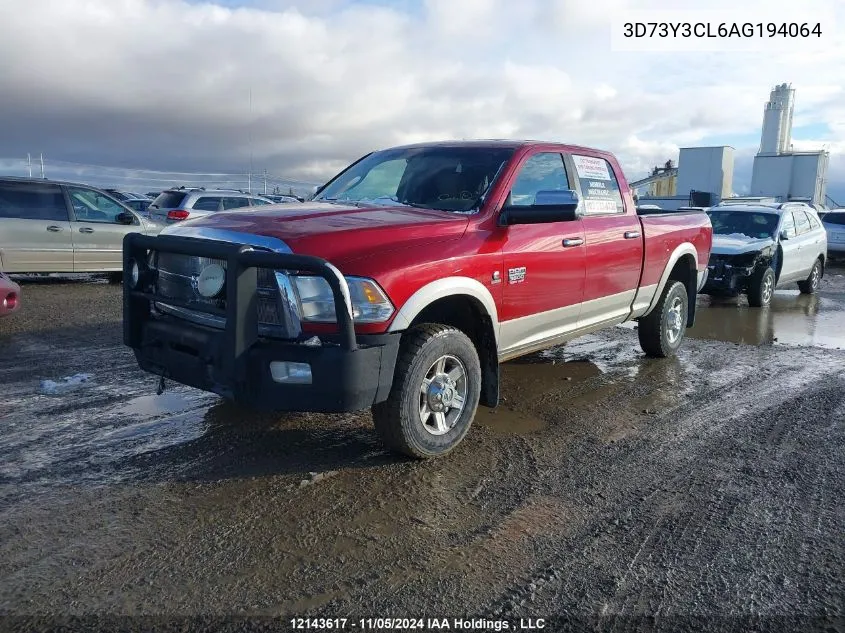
[(335, 232), (738, 243)]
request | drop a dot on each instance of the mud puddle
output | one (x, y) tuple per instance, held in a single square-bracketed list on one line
[(68, 443), (524, 383), (792, 319)]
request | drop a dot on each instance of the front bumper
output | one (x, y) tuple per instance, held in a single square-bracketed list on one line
[(726, 279), (348, 373)]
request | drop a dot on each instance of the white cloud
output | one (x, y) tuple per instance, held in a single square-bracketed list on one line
[(165, 83)]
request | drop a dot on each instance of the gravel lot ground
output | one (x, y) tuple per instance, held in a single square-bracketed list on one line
[(702, 492)]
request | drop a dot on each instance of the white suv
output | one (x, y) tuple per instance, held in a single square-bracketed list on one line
[(175, 205)]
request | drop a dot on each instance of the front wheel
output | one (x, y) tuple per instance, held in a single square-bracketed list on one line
[(811, 283), (435, 392), (662, 330), (762, 288)]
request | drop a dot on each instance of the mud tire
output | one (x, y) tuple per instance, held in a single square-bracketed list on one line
[(653, 331), (811, 284), (397, 420), (758, 297)]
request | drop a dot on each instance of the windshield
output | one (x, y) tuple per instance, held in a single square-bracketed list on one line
[(744, 223), (446, 178)]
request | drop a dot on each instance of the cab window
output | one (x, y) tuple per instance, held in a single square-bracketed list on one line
[(542, 172), (599, 186)]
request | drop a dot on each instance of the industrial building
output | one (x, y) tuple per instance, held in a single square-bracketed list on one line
[(704, 175)]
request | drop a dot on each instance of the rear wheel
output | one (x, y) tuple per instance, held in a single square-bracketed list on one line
[(434, 395), (662, 331), (811, 283), (762, 288)]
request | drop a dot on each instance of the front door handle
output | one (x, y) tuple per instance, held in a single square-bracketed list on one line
[(631, 235), (54, 229), (86, 229), (572, 241)]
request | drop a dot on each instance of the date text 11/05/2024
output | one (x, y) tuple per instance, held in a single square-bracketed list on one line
[(417, 624), (723, 30)]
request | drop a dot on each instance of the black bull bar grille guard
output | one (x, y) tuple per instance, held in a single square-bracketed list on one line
[(242, 262)]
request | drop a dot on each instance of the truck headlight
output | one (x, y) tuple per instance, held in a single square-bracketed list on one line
[(316, 302)]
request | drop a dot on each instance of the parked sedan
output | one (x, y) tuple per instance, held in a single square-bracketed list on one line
[(834, 225), (10, 295), (760, 247)]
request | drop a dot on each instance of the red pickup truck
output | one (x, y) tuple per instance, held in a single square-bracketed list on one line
[(407, 279)]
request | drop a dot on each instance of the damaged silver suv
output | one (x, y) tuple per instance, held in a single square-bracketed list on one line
[(760, 247)]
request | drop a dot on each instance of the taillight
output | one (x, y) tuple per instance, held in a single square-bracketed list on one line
[(178, 214), (11, 301)]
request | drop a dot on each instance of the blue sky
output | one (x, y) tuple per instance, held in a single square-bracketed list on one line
[(166, 86)]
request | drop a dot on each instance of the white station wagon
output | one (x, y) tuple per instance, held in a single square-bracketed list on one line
[(760, 247)]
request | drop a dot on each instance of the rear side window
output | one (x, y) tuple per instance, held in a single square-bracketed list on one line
[(32, 201), (813, 222), (599, 186), (258, 202), (206, 203), (235, 203), (169, 200), (802, 223)]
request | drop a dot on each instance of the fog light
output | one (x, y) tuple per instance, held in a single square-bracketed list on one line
[(134, 274), (210, 280), (291, 373), (11, 301)]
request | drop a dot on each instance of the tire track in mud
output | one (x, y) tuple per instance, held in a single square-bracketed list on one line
[(703, 493)]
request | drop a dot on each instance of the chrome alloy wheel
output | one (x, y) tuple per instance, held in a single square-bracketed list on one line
[(815, 276), (443, 393), (675, 320), (768, 289)]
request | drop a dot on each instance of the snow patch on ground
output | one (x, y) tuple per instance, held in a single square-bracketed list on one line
[(68, 383)]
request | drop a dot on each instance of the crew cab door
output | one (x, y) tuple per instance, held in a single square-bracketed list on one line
[(34, 228), (97, 233), (614, 242), (544, 264)]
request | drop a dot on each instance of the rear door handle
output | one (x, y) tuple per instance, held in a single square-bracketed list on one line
[(572, 241), (631, 235), (86, 229), (54, 229)]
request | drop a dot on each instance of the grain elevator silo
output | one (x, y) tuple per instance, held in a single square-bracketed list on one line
[(779, 171)]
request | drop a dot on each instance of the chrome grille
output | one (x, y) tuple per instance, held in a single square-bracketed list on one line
[(276, 307)]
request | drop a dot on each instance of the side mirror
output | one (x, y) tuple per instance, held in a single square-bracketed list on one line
[(784, 235), (549, 206), (125, 218)]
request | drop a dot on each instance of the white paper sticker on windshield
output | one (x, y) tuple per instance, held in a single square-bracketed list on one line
[(599, 206), (589, 167)]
